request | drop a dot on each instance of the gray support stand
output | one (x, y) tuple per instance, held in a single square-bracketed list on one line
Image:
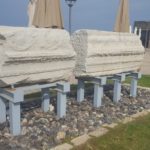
[(117, 86), (102, 92), (63, 88), (14, 113), (45, 99), (99, 82), (61, 104), (117, 91), (98, 89), (133, 88), (2, 111), (134, 81), (98, 94), (80, 90), (16, 95)]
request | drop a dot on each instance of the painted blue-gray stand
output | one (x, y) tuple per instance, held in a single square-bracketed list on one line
[(2, 110), (98, 89), (62, 89), (80, 90), (45, 99), (97, 95), (14, 112), (16, 95), (134, 80), (61, 104), (117, 86)]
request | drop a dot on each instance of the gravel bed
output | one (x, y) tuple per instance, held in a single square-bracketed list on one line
[(41, 131)]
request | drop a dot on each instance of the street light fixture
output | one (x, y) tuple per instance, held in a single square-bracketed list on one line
[(70, 3)]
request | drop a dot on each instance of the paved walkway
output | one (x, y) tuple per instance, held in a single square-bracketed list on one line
[(146, 63)]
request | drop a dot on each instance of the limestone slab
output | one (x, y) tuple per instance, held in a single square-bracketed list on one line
[(31, 55), (112, 125), (99, 132), (106, 53), (127, 120), (64, 146), (80, 140)]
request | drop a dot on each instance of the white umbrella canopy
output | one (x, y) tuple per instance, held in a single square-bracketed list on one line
[(31, 10), (47, 14), (122, 22)]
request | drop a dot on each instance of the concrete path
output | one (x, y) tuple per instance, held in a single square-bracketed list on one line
[(146, 63)]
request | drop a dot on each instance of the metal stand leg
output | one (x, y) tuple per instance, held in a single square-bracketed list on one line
[(16, 96), (133, 88), (2, 111), (117, 91), (98, 91), (102, 92), (134, 80), (14, 113), (45, 99), (80, 91), (61, 104)]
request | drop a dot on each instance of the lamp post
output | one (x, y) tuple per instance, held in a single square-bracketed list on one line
[(70, 3)]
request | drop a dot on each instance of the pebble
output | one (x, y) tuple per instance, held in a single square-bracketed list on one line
[(91, 122), (61, 135), (24, 122), (7, 135), (45, 130), (24, 131), (51, 108)]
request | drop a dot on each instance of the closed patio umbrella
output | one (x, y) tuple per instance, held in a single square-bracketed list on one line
[(31, 10), (47, 14), (122, 22)]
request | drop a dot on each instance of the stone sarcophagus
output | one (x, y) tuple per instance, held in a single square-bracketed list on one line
[(106, 53), (29, 55)]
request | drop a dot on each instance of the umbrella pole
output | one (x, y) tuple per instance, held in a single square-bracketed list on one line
[(70, 3), (70, 20)]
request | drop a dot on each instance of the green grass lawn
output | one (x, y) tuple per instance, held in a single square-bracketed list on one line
[(131, 136), (144, 81)]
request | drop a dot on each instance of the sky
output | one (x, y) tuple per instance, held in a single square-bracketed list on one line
[(87, 14)]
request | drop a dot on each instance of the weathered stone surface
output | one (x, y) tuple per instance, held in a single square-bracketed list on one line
[(112, 125), (105, 53), (127, 119), (34, 55), (99, 132), (64, 146), (80, 140)]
